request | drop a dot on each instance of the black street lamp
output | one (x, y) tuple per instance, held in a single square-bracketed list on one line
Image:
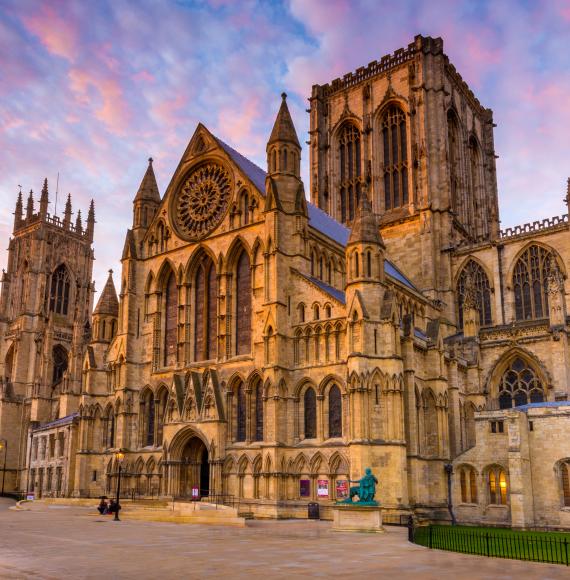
[(449, 471), (119, 456), (4, 445)]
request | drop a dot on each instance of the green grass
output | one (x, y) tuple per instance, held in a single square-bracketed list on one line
[(552, 547)]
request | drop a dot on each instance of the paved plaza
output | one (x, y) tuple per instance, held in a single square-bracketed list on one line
[(53, 542)]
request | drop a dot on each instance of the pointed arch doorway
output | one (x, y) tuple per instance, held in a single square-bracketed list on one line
[(194, 468)]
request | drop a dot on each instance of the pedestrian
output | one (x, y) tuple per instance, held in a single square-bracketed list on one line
[(103, 507)]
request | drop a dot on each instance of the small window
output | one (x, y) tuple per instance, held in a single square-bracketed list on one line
[(497, 486), (530, 426), (94, 475), (328, 311)]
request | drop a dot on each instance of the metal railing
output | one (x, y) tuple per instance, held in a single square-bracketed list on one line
[(547, 547)]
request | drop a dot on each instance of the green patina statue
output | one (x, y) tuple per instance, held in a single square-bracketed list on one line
[(365, 490)]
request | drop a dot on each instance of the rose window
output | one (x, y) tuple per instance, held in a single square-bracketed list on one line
[(202, 201)]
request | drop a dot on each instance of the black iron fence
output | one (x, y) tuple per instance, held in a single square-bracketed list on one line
[(547, 547)]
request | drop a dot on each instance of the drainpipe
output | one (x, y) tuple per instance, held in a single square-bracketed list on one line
[(449, 471)]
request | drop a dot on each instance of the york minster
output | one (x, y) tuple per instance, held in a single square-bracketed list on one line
[(261, 346)]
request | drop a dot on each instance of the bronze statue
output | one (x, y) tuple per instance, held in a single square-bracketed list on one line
[(365, 490)]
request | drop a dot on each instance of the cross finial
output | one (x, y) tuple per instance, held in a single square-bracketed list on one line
[(110, 271), (283, 95), (150, 160)]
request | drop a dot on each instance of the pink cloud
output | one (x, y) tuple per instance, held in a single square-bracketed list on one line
[(54, 29)]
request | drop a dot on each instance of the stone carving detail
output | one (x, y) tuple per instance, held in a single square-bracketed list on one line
[(202, 201)]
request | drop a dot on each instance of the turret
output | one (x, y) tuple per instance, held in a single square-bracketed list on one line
[(284, 160), (18, 213), (30, 206), (106, 313), (78, 224), (91, 221), (44, 200), (67, 213), (146, 200), (556, 299), (365, 249)]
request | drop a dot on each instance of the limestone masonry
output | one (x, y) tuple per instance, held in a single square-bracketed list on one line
[(268, 348)]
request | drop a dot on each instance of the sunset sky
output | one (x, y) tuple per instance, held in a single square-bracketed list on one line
[(91, 89)]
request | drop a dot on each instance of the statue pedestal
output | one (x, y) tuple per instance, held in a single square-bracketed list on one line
[(357, 518)]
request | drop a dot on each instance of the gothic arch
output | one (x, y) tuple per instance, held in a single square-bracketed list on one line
[(328, 381), (195, 260), (502, 363), (179, 441)]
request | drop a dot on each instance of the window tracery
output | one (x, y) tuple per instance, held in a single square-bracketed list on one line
[(240, 413), (243, 305), (206, 310), (171, 321), (310, 413), (529, 283), (350, 185), (395, 146), (335, 412), (202, 201), (59, 292), (520, 385), (474, 275)]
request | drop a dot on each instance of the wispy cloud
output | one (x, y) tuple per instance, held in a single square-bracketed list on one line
[(91, 89)]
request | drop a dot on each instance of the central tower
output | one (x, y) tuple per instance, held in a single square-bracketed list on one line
[(408, 129)]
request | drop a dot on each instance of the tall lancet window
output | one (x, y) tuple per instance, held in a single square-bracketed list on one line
[(482, 291), (243, 305), (349, 154), (59, 292), (395, 146), (205, 311), (529, 283), (171, 321)]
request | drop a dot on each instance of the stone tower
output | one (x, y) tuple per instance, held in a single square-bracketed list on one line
[(409, 129), (45, 307)]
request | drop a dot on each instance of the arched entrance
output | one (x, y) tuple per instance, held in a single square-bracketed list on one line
[(194, 468)]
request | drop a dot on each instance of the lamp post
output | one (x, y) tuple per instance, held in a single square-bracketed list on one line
[(4, 446), (449, 471), (119, 456)]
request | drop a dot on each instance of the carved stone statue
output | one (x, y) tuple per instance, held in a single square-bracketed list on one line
[(365, 490)]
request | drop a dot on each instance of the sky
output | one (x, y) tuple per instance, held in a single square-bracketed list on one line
[(90, 89)]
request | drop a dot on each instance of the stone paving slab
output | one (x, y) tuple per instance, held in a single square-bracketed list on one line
[(72, 543)]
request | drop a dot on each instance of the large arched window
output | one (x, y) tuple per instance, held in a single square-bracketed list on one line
[(59, 359), (240, 413), (454, 158), (477, 194), (310, 414), (529, 283), (205, 311), (497, 482), (349, 158), (565, 482), (474, 274), (259, 412), (161, 414), (171, 321), (335, 412), (59, 291), (395, 146), (243, 305), (520, 385)]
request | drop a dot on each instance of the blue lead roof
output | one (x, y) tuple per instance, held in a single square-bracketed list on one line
[(318, 219)]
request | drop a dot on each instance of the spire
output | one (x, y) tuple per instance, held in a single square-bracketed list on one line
[(148, 189), (44, 199), (91, 221), (108, 303), (18, 212), (67, 213), (283, 129), (365, 226), (30, 205), (78, 224)]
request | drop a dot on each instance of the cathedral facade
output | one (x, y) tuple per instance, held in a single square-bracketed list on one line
[(268, 348)]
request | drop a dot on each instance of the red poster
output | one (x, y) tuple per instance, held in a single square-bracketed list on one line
[(323, 488), (341, 488)]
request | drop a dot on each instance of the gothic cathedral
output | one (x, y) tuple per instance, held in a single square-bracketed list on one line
[(269, 348)]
